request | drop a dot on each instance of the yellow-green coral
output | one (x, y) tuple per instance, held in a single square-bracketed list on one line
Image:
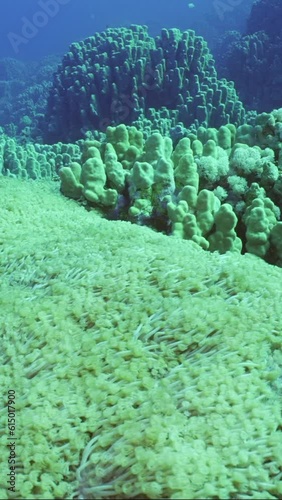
[(142, 365)]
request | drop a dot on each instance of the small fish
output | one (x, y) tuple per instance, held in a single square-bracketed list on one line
[(191, 5)]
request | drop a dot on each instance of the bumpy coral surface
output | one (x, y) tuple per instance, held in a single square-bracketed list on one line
[(123, 75), (144, 367), (185, 190)]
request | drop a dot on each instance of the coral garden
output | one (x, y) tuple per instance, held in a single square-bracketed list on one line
[(144, 367), (220, 188), (141, 255), (126, 76)]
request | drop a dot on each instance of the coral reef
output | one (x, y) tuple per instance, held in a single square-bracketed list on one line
[(140, 366), (184, 188), (266, 16), (253, 61), (33, 160), (140, 316), (24, 89), (220, 188), (123, 75)]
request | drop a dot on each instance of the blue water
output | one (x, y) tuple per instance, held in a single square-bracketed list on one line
[(32, 29)]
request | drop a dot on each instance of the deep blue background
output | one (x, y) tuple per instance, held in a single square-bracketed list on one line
[(81, 18)]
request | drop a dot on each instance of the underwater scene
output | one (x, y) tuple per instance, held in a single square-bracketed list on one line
[(141, 249)]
